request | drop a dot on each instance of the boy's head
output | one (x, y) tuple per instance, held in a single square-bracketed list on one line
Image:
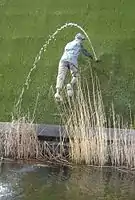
[(80, 37)]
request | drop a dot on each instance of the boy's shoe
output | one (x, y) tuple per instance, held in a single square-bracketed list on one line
[(58, 97), (70, 91)]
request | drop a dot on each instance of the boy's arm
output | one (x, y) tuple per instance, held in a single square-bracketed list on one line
[(86, 53)]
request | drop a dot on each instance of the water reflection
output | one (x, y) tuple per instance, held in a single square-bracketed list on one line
[(28, 182)]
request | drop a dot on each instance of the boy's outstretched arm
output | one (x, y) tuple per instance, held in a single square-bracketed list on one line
[(86, 53)]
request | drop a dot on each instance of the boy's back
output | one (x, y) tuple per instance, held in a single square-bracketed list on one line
[(71, 52)]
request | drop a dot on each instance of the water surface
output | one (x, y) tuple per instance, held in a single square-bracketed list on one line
[(31, 182)]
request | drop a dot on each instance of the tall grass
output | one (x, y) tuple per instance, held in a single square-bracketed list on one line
[(19, 141), (91, 140)]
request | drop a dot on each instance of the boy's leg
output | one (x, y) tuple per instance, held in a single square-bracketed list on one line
[(62, 70), (74, 73)]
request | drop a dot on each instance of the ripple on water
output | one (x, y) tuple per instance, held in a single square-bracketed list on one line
[(5, 191)]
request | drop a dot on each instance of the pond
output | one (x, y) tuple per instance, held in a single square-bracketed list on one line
[(19, 181)]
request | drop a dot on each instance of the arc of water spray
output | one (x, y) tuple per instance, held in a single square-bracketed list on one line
[(43, 49)]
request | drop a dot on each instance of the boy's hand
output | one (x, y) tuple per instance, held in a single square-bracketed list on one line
[(97, 60)]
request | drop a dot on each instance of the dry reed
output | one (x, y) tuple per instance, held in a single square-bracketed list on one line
[(19, 140), (90, 140)]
